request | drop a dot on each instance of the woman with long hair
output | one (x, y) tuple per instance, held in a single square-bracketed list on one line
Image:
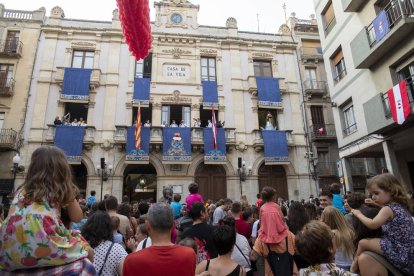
[(297, 217), (344, 236)]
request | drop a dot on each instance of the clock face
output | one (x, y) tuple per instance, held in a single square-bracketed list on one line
[(176, 18)]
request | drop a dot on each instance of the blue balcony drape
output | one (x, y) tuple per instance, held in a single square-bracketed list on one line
[(275, 147), (381, 26), (142, 91), (76, 84), (268, 92), (70, 140), (212, 156), (210, 94), (134, 155), (176, 145)]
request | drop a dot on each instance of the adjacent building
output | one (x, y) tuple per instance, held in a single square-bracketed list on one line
[(368, 49), (251, 82), (19, 36)]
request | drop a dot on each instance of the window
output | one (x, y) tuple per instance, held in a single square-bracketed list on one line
[(328, 18), (317, 115), (338, 62), (1, 120), (263, 68), (264, 118), (146, 114), (143, 67), (205, 115), (12, 41), (82, 59), (350, 125), (208, 69), (6, 75), (311, 80), (406, 72), (78, 111), (176, 113)]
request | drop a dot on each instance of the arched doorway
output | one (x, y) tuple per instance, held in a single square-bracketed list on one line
[(140, 182), (80, 177), (211, 180), (274, 176)]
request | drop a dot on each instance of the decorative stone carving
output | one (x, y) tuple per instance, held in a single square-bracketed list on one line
[(241, 147), (284, 30), (115, 14), (176, 98), (83, 45), (262, 55), (208, 52), (177, 52), (107, 145), (231, 23), (195, 107), (57, 12)]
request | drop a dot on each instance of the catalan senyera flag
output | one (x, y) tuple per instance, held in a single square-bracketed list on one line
[(138, 129), (214, 127)]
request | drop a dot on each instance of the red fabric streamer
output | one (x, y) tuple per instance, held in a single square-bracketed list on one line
[(135, 19)]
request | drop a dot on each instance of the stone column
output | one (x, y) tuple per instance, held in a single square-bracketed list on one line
[(347, 171), (390, 158), (156, 114)]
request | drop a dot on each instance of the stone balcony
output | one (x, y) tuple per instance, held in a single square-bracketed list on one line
[(11, 48), (7, 87), (258, 143), (88, 139), (95, 77), (252, 85), (8, 139)]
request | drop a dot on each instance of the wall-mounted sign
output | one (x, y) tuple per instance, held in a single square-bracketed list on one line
[(176, 71)]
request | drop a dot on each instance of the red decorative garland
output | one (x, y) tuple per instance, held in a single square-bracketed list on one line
[(135, 19)]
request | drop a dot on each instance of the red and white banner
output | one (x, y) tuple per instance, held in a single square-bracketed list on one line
[(399, 103), (214, 123)]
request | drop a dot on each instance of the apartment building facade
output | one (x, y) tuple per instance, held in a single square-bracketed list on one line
[(368, 49)]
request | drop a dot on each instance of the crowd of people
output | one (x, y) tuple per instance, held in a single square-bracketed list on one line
[(66, 121), (49, 230)]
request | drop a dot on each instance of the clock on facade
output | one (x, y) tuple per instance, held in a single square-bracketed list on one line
[(176, 18)]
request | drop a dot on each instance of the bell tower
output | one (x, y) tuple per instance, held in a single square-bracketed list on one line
[(176, 14)]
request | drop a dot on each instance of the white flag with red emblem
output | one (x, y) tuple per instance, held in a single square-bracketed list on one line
[(213, 121), (399, 103)]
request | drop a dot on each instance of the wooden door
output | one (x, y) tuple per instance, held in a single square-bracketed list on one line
[(274, 176), (211, 180)]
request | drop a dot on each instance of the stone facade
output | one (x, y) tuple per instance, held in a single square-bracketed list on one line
[(178, 41)]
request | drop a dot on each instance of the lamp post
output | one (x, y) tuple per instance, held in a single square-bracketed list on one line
[(104, 170), (243, 173)]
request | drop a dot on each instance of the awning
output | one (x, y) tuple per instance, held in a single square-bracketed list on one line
[(142, 91), (210, 94), (212, 156), (76, 84), (70, 140), (269, 92), (176, 145), (275, 147), (134, 155)]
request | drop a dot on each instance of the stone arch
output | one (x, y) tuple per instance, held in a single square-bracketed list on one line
[(228, 167), (154, 161), (90, 166), (289, 169)]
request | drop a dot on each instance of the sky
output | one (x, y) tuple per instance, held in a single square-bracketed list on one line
[(212, 12)]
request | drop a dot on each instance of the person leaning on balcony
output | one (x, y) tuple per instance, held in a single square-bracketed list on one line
[(57, 121)]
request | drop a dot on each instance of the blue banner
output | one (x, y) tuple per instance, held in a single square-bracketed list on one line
[(381, 26), (212, 156), (275, 147), (142, 91), (70, 140), (76, 84), (176, 147), (210, 94), (134, 155), (269, 92)]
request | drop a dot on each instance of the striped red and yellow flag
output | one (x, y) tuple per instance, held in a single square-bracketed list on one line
[(138, 129)]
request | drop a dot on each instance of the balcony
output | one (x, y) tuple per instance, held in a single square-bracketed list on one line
[(322, 132), (8, 139), (252, 85), (88, 140), (7, 87), (315, 88), (353, 5), (368, 50), (258, 143), (95, 77), (11, 48), (311, 54), (326, 169)]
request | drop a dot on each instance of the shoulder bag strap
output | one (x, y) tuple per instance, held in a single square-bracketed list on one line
[(241, 252), (207, 265), (144, 245), (106, 257)]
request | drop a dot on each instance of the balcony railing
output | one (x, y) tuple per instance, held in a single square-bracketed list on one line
[(11, 47), (8, 139), (7, 87), (89, 137), (258, 143), (326, 169), (322, 132), (314, 87), (313, 53)]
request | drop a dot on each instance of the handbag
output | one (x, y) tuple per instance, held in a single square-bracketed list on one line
[(280, 263)]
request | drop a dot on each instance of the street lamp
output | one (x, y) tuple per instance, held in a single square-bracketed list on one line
[(104, 170), (243, 172), (16, 168)]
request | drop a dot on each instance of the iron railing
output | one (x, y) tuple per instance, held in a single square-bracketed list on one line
[(322, 131), (394, 11), (410, 92), (311, 52), (312, 86), (6, 86), (8, 138), (11, 46)]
